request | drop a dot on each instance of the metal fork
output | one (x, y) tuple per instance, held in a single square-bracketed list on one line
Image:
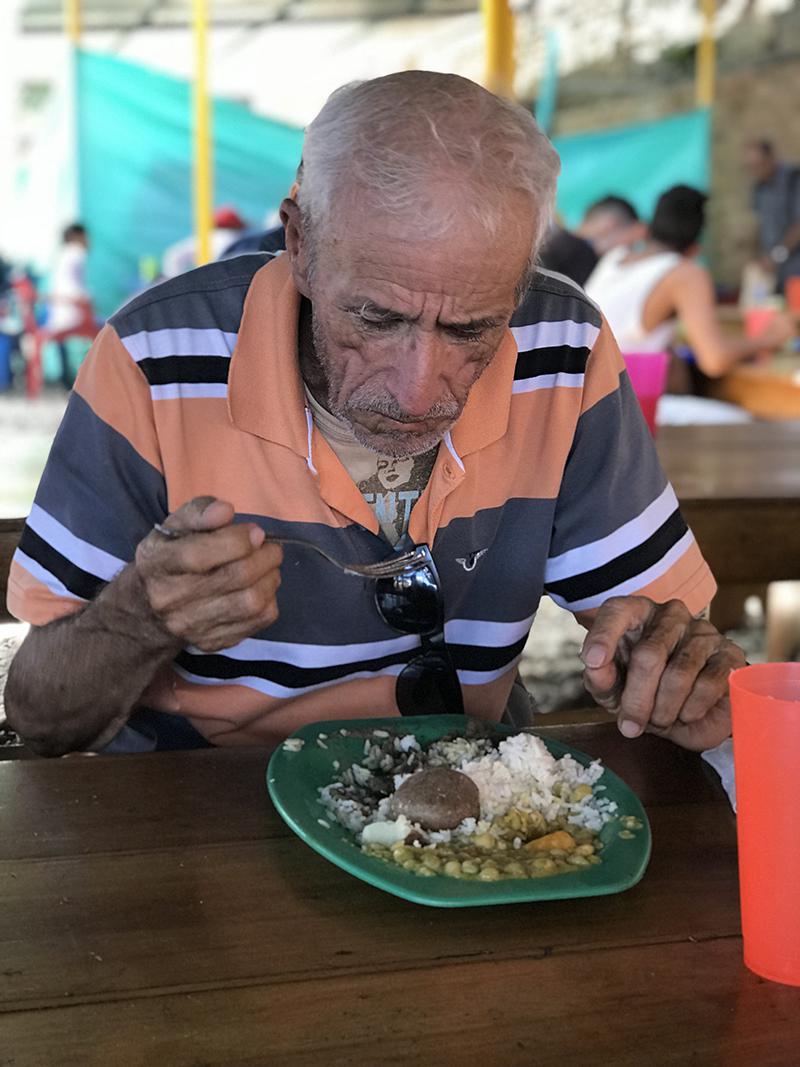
[(385, 568)]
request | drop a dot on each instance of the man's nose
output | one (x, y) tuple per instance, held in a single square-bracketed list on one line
[(417, 383)]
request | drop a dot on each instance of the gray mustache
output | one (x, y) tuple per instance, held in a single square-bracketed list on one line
[(389, 407)]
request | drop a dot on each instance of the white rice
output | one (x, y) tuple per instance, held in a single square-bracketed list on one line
[(519, 773)]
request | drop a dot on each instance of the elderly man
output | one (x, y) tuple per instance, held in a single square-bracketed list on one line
[(250, 399)]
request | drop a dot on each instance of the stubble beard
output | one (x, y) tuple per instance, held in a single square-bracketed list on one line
[(373, 401)]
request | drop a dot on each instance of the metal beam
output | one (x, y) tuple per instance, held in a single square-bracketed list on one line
[(203, 144), (498, 20)]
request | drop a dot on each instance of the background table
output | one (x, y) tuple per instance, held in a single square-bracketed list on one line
[(155, 910), (739, 489), (770, 389)]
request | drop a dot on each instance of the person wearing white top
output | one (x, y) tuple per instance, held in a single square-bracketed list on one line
[(645, 292), (69, 302)]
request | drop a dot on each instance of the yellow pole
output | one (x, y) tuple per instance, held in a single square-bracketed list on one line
[(498, 22), (203, 164), (72, 21), (705, 72)]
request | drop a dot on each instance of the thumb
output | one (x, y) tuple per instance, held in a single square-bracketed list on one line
[(201, 514)]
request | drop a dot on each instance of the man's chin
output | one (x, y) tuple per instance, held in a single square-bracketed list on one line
[(399, 445)]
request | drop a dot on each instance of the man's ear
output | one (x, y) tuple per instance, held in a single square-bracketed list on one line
[(296, 245)]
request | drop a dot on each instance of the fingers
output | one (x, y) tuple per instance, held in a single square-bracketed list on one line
[(171, 592), (667, 673), (201, 513), (711, 685), (618, 617), (682, 673), (216, 622), (217, 583)]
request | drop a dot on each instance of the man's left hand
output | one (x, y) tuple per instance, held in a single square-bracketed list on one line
[(660, 669)]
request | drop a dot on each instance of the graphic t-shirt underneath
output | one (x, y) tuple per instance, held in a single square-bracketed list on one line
[(390, 486)]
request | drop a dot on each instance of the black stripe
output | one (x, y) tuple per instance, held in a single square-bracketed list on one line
[(465, 657), (185, 369), (485, 658), (558, 359), (626, 566), (78, 582)]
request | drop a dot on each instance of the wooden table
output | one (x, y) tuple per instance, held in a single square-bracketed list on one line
[(739, 488), (769, 389), (155, 910)]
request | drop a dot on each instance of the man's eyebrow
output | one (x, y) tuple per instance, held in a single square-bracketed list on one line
[(489, 322), (369, 307)]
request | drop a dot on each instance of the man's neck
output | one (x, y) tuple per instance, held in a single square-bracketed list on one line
[(310, 369)]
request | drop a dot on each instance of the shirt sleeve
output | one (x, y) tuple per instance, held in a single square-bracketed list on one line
[(618, 530), (101, 491)]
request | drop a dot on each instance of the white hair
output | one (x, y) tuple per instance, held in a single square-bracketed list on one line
[(434, 150)]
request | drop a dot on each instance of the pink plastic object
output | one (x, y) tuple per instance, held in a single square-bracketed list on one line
[(765, 702), (756, 320), (793, 294), (648, 374)]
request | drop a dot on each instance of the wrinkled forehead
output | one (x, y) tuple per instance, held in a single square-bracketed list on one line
[(364, 242)]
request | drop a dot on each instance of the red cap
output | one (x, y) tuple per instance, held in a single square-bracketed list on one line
[(228, 218)]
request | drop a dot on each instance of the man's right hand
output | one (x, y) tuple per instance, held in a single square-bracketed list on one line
[(217, 584)]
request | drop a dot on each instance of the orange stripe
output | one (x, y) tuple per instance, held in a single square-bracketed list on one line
[(29, 600), (117, 392), (603, 368), (688, 579), (253, 718)]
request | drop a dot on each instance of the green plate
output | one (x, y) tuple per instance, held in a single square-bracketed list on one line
[(294, 778)]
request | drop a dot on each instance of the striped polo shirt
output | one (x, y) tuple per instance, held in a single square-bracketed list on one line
[(548, 482)]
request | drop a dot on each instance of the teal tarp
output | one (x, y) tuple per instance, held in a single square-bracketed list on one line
[(638, 162), (135, 179), (135, 151)]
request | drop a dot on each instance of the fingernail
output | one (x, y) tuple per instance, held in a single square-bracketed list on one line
[(594, 656), (256, 536), (629, 728)]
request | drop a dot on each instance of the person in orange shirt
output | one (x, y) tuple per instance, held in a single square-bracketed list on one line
[(250, 399)]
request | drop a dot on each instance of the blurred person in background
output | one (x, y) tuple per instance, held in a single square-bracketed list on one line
[(776, 202), (606, 224), (182, 256), (645, 293), (69, 302)]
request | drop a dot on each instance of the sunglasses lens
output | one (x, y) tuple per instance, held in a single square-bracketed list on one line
[(410, 602), (428, 685)]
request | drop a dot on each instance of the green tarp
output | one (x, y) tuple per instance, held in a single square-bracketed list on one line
[(638, 162), (134, 159), (135, 154)]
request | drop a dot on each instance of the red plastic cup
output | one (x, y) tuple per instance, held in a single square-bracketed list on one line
[(792, 289), (765, 702), (756, 320), (648, 374)]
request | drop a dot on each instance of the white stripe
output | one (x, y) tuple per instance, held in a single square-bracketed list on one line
[(84, 555), (448, 440), (45, 577), (189, 391), (548, 381), (185, 341), (563, 278), (596, 553), (272, 689), (553, 334), (315, 656), (486, 634), (484, 677), (310, 432), (632, 585)]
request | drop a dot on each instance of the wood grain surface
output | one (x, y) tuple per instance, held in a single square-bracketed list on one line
[(739, 490), (155, 910)]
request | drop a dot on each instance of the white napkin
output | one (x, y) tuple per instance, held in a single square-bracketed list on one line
[(721, 759)]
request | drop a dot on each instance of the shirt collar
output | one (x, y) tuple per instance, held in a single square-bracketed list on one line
[(265, 389)]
